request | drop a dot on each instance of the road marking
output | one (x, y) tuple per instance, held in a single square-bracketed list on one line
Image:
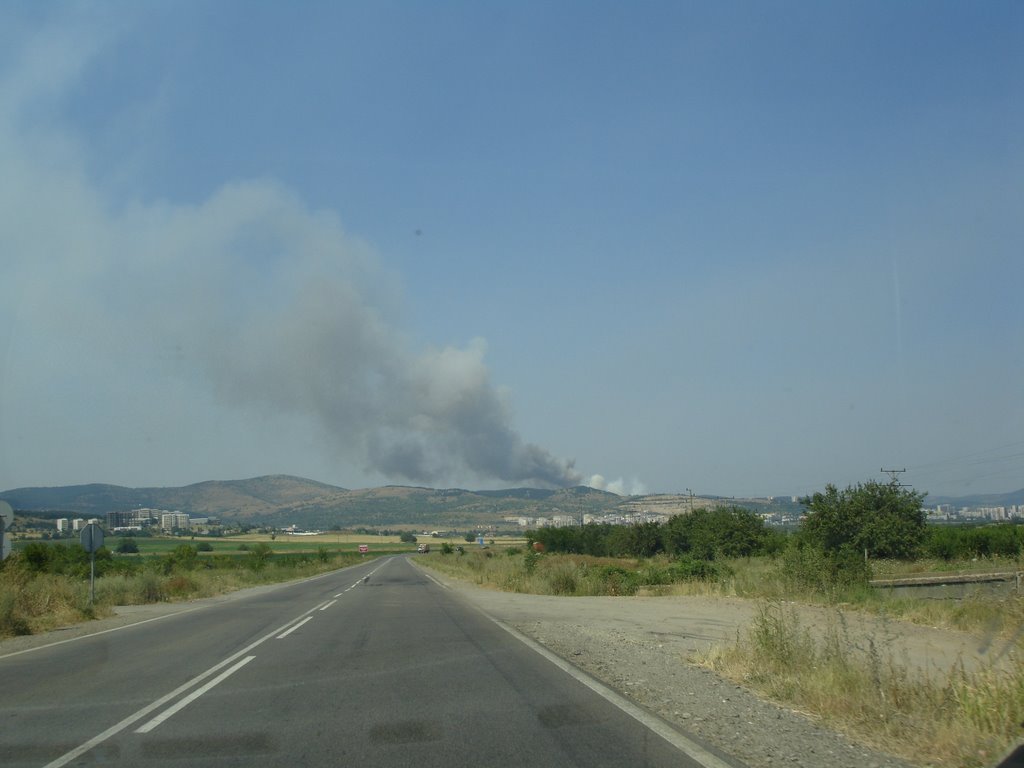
[(170, 711), (167, 615), (441, 585), (294, 627), (691, 749), (101, 632), (687, 746), (329, 605), (136, 716)]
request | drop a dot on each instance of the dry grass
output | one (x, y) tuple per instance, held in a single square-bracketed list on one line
[(32, 603), (855, 685)]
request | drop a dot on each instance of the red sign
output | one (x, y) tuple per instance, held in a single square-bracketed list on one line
[(364, 548)]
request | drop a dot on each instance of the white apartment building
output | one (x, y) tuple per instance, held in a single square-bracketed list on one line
[(171, 520)]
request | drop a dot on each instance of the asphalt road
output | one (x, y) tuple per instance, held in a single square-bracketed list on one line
[(376, 665)]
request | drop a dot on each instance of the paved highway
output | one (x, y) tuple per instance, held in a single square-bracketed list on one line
[(376, 665)]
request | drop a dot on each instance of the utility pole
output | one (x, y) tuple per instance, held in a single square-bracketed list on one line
[(892, 473), (691, 500)]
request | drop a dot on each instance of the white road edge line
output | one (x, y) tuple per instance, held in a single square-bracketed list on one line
[(101, 632), (146, 621), (329, 605), (293, 628), (690, 748), (136, 716), (440, 584), (182, 703)]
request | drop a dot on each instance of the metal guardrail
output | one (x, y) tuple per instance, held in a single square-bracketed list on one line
[(953, 579)]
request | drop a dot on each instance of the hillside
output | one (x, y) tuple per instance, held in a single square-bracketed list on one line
[(257, 497), (285, 500)]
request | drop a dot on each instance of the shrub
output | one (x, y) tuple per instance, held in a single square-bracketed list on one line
[(691, 569), (616, 580), (813, 569), (530, 560)]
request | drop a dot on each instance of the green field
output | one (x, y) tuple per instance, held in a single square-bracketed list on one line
[(162, 545)]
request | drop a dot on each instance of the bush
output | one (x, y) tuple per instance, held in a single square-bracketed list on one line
[(690, 569), (204, 546), (616, 580), (813, 569), (259, 555), (127, 546)]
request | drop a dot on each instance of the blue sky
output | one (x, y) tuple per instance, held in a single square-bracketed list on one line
[(743, 248)]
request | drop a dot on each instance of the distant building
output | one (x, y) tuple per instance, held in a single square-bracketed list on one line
[(172, 520), (63, 524), (134, 519), (77, 524)]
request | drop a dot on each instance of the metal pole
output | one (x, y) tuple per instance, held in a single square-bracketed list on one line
[(92, 574)]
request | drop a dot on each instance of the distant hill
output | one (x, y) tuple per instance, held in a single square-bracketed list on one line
[(256, 497), (283, 500)]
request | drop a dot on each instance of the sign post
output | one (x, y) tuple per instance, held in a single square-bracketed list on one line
[(92, 539), (6, 519)]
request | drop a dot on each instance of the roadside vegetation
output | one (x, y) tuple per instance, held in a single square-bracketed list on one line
[(46, 585), (849, 537)]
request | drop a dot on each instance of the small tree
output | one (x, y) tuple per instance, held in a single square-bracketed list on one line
[(881, 519), (127, 546)]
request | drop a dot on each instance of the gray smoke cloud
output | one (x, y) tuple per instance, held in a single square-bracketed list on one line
[(249, 294), (309, 331), (276, 308)]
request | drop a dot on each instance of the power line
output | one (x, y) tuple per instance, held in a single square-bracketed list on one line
[(892, 473)]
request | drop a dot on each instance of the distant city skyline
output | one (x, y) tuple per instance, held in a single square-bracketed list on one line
[(745, 249)]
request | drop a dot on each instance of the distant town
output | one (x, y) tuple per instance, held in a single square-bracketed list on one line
[(776, 511)]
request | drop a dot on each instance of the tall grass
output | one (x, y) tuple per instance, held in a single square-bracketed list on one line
[(32, 602), (577, 575), (854, 683)]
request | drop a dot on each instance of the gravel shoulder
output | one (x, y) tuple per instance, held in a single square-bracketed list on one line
[(642, 646)]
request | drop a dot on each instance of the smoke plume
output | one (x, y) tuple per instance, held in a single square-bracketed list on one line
[(253, 296)]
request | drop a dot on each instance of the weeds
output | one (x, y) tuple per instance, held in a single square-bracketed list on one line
[(965, 719), (578, 575), (33, 600)]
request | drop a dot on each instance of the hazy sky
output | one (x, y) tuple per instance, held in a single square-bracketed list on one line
[(742, 248)]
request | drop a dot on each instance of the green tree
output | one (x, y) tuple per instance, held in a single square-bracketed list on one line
[(407, 537), (127, 546), (882, 519)]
